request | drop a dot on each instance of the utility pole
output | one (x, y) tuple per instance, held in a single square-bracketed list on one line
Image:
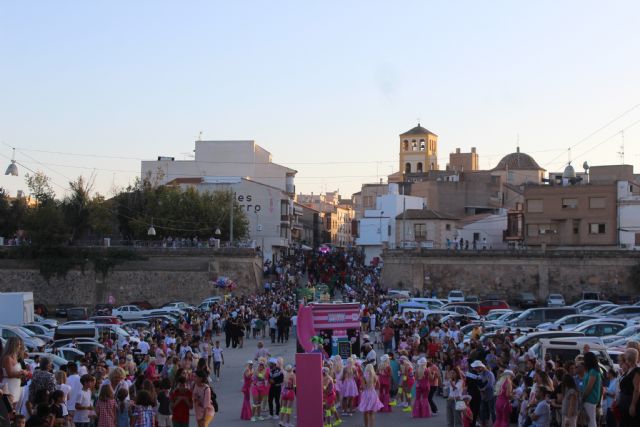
[(231, 221)]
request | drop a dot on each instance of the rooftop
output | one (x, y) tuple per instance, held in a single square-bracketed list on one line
[(418, 130), (517, 161), (425, 214)]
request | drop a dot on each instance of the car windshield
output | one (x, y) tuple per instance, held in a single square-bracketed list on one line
[(28, 332), (628, 331), (555, 296), (455, 294)]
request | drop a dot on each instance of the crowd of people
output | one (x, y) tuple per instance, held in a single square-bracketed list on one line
[(421, 367)]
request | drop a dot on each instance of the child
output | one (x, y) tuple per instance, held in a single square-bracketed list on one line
[(143, 414), (164, 404), (106, 407), (467, 414), (181, 403), (123, 408), (20, 421), (218, 359), (59, 408), (84, 403)]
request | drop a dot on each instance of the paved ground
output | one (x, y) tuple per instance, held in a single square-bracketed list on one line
[(230, 397)]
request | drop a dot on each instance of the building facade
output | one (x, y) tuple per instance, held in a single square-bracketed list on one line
[(462, 162), (425, 228)]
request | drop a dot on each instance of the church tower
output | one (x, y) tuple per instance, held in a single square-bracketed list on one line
[(418, 151)]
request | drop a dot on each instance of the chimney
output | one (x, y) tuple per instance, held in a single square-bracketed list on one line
[(457, 151), (473, 150)]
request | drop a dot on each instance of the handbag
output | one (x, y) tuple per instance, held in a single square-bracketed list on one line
[(460, 405)]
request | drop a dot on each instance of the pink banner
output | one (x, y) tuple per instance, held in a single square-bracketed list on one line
[(309, 389), (305, 327)]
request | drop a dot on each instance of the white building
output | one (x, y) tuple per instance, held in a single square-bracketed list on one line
[(485, 229), (629, 215), (269, 210), (265, 189), (377, 229), (223, 158)]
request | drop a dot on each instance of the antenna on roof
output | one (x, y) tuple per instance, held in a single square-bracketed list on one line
[(518, 142), (199, 136), (418, 121), (569, 155), (621, 152)]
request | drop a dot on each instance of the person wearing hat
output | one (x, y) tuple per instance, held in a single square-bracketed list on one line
[(246, 412), (487, 398), (503, 402), (259, 387)]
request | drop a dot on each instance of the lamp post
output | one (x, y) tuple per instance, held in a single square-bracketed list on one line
[(12, 169), (151, 231)]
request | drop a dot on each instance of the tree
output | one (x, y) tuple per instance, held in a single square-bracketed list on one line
[(45, 224), (5, 209), (76, 208), (40, 187)]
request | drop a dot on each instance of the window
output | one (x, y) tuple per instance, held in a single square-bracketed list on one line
[(447, 227), (419, 167), (569, 203), (405, 145), (414, 146), (532, 230), (597, 229), (535, 206), (422, 147), (597, 202), (420, 231), (576, 226), (407, 167)]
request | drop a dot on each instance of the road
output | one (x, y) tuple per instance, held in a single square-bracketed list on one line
[(230, 397)]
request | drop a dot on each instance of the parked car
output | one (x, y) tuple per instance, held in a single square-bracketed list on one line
[(535, 316), (625, 311), (145, 305), (599, 329), (129, 312), (30, 341), (555, 300), (472, 298), (527, 299), (588, 305), (627, 333), (178, 306), (531, 339), (496, 314), (61, 310), (486, 306), (56, 360), (115, 320), (455, 296), (591, 295), (102, 310), (566, 323), (49, 323), (77, 313), (39, 329)]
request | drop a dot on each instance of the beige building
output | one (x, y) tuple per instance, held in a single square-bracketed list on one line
[(365, 199), (418, 150), (424, 228), (337, 215), (571, 215), (461, 162), (223, 158)]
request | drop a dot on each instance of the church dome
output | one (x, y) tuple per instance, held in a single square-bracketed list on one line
[(517, 161)]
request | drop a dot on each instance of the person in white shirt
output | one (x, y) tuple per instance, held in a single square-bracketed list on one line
[(144, 347), (73, 381), (84, 404), (218, 359)]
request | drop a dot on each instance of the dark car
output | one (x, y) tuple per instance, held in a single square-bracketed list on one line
[(144, 305), (77, 313), (102, 310), (61, 310), (527, 300)]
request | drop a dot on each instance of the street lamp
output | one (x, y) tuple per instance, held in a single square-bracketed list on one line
[(151, 231), (217, 232), (12, 169)]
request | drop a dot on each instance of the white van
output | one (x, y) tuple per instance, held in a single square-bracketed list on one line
[(432, 303)]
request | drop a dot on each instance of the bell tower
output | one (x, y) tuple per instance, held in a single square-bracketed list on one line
[(418, 151)]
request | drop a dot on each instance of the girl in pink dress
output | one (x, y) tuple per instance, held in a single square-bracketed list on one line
[(384, 378), (287, 396), (369, 402), (406, 383), (421, 407), (259, 388), (348, 389), (245, 413), (503, 402), (337, 368)]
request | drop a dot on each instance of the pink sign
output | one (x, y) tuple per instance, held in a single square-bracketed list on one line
[(309, 389)]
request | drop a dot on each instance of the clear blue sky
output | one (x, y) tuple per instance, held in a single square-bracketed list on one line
[(313, 81)]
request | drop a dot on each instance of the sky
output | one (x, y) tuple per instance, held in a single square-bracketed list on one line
[(92, 88)]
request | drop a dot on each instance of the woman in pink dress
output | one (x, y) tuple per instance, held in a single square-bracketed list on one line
[(369, 402), (384, 378), (337, 367), (348, 389), (259, 388), (421, 407), (245, 413), (287, 396), (503, 403)]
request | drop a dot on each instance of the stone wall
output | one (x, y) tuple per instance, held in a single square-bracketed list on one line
[(161, 278), (510, 273)]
